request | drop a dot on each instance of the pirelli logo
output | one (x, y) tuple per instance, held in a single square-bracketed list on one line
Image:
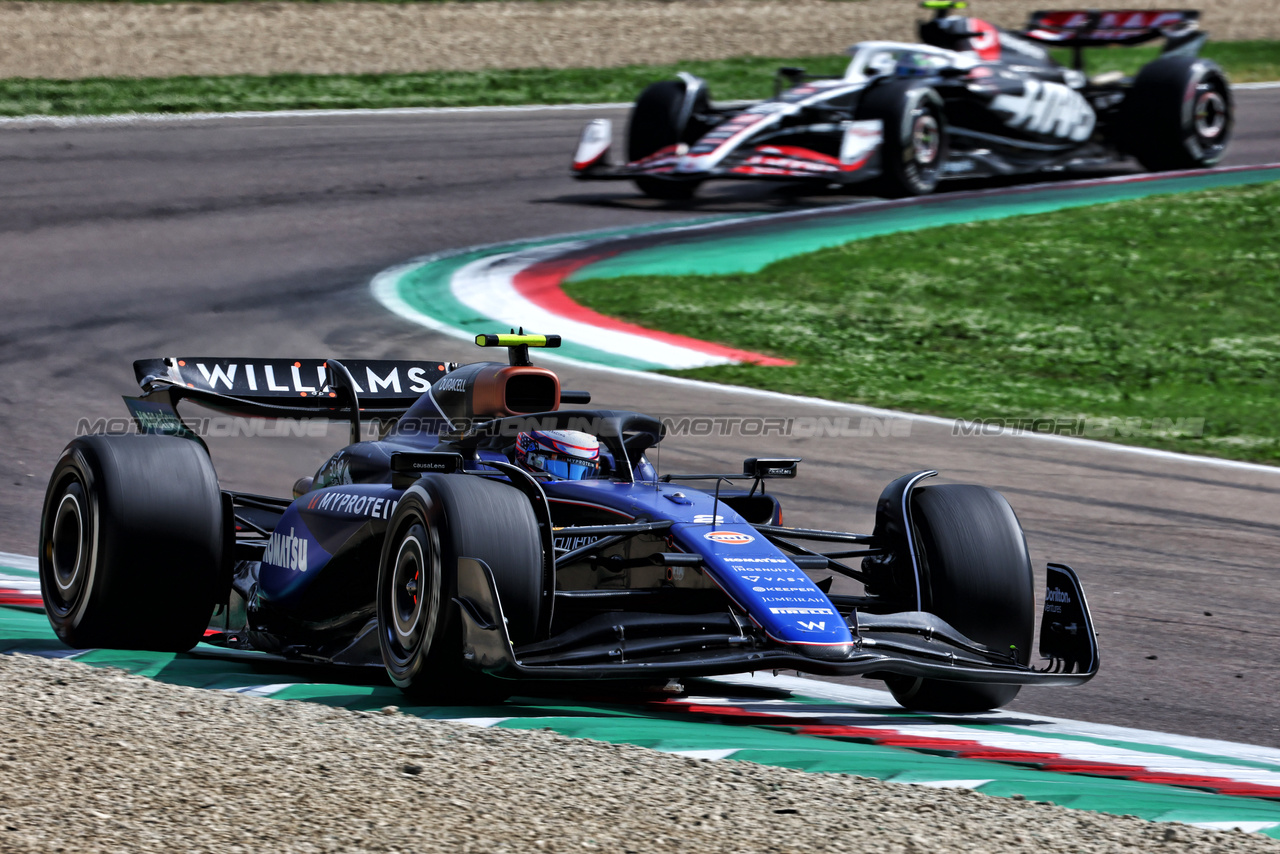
[(801, 611)]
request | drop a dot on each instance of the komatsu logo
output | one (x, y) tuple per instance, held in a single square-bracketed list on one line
[(288, 551)]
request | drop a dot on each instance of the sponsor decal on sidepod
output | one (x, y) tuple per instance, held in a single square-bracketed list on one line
[(287, 551)]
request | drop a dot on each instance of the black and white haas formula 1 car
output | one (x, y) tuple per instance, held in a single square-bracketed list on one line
[(970, 101), (491, 536)]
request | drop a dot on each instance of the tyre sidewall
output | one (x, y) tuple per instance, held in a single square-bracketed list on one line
[(1161, 128), (67, 613), (156, 563), (981, 583), (417, 511), (904, 169)]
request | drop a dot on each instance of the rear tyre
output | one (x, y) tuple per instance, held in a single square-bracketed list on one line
[(1179, 114), (440, 519), (656, 124), (131, 543), (978, 578), (916, 143)]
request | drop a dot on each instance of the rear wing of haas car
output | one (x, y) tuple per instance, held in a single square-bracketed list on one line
[(1101, 27), (370, 389)]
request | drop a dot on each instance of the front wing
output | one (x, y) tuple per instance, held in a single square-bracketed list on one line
[(859, 160), (914, 644)]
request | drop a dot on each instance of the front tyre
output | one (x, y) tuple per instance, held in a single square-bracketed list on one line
[(657, 122), (131, 543), (977, 577), (1179, 114), (916, 143), (440, 519)]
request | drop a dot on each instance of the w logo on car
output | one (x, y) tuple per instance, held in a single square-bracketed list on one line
[(812, 625), (729, 538)]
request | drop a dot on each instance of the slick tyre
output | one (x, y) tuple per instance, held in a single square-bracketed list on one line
[(658, 121), (916, 144), (1179, 114), (440, 519), (978, 578), (132, 543)]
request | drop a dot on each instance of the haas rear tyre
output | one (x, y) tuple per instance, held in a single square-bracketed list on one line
[(439, 519), (131, 543), (1179, 114), (978, 578), (658, 120), (916, 144)]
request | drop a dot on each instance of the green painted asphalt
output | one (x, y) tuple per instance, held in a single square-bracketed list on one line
[(209, 668), (720, 254), (426, 287)]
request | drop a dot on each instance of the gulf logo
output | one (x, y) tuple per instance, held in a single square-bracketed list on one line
[(729, 538)]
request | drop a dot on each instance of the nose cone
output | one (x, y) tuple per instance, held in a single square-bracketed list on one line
[(825, 651), (690, 163)]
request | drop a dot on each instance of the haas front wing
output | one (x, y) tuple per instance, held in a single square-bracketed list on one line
[(744, 146)]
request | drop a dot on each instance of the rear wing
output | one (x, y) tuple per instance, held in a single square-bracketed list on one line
[(1098, 28), (372, 389)]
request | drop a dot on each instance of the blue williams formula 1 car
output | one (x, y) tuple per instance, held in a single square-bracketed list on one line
[(491, 535), (969, 100)]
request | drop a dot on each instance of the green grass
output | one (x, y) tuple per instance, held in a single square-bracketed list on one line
[(1164, 308), (729, 79), (1244, 62)]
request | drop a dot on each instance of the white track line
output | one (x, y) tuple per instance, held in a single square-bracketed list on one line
[(13, 561), (856, 696), (487, 285), (126, 119), (174, 118)]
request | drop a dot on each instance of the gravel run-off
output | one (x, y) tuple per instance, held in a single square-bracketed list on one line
[(97, 760), (76, 40)]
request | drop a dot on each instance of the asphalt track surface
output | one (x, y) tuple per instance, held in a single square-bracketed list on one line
[(259, 237)]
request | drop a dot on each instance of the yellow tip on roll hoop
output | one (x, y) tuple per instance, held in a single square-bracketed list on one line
[(514, 340)]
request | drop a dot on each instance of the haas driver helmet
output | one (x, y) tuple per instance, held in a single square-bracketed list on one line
[(562, 454)]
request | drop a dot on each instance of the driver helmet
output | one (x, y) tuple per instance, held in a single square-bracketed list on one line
[(562, 454)]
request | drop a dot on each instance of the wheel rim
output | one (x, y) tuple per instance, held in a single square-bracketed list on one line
[(68, 549), (406, 592), (1210, 115), (926, 139), (409, 596)]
